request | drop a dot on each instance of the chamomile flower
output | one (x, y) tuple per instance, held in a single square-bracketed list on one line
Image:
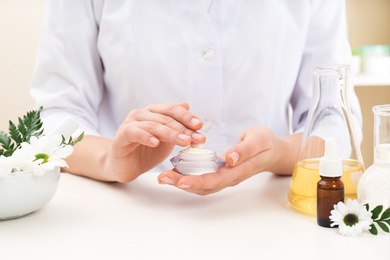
[(43, 154), (26, 149), (351, 218)]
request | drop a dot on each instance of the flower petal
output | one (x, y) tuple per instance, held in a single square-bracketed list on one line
[(354, 207), (342, 208), (63, 152), (52, 143)]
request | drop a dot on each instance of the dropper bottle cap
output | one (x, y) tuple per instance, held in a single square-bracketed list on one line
[(330, 165)]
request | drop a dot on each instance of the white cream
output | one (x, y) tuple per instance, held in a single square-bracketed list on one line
[(196, 154), (194, 160), (193, 150), (197, 145)]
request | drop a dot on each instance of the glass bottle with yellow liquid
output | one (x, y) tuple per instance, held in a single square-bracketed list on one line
[(329, 117)]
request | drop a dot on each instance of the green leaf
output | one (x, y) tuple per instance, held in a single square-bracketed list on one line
[(6, 144), (367, 206), (22, 128), (376, 211), (29, 125), (373, 230), (78, 139), (14, 133), (71, 141), (5, 141), (8, 152), (383, 226), (386, 214)]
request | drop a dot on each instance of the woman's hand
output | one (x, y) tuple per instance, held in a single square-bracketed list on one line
[(145, 138), (258, 150)]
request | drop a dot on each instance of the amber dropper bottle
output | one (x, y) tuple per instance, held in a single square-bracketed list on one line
[(330, 188)]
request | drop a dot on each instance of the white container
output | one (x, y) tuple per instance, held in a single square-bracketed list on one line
[(374, 185), (196, 161), (22, 193)]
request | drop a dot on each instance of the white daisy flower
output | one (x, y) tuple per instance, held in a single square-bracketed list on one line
[(351, 218), (43, 154)]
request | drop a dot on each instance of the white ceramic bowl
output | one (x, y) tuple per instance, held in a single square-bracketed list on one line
[(22, 193)]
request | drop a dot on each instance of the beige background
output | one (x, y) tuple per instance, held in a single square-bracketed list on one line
[(369, 23), (20, 23)]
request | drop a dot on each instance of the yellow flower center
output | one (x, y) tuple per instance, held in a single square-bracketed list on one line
[(43, 156)]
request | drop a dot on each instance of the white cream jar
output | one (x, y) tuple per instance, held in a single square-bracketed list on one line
[(196, 161)]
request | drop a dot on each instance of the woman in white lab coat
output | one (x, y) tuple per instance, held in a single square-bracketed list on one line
[(146, 78)]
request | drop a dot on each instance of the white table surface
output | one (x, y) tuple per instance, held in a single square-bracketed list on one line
[(144, 220)]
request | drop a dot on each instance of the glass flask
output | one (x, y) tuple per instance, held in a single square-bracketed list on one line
[(374, 186), (329, 117)]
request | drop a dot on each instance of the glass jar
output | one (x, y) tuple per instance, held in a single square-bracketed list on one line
[(329, 117), (196, 161), (374, 186)]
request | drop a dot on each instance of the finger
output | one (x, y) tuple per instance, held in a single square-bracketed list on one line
[(178, 112), (169, 177), (149, 118), (146, 133), (252, 143), (199, 184), (185, 105), (202, 184), (128, 139)]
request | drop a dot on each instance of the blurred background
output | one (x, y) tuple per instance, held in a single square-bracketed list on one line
[(369, 34)]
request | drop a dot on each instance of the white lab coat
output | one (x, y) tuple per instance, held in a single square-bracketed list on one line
[(237, 63)]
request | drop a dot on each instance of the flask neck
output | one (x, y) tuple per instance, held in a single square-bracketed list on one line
[(382, 153), (382, 132), (330, 115)]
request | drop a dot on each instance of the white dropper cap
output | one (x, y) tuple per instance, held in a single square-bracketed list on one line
[(331, 165)]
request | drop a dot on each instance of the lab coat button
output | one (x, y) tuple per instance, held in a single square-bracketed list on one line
[(207, 53)]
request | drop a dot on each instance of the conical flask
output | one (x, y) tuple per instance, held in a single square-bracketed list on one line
[(374, 186), (329, 117)]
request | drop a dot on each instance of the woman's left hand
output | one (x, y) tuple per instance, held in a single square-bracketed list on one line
[(258, 150)]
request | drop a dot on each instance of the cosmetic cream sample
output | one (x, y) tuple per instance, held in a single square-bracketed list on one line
[(195, 161)]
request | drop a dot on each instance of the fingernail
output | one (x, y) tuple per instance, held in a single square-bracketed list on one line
[(184, 186), (167, 180), (197, 136), (153, 140), (195, 121), (183, 137), (235, 157)]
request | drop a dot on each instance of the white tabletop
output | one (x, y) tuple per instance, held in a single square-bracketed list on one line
[(144, 220)]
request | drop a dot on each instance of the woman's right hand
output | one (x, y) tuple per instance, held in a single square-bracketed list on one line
[(144, 139)]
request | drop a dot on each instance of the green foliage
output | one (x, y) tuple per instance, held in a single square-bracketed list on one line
[(29, 125), (380, 218), (71, 141)]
